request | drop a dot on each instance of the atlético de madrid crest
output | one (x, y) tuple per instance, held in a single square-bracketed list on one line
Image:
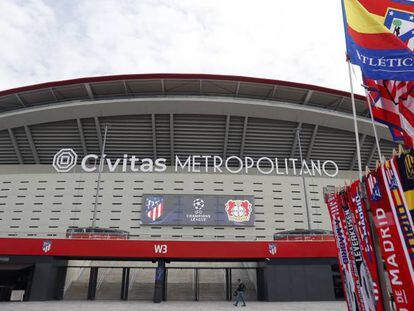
[(272, 249), (238, 210), (47, 245), (401, 24)]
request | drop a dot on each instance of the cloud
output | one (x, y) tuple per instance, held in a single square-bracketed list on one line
[(54, 40)]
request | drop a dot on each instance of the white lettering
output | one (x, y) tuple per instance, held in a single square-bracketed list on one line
[(161, 248), (248, 163), (217, 166), (85, 160), (226, 164), (112, 167), (196, 165), (316, 167), (160, 165), (182, 166), (336, 171), (147, 165), (133, 160), (271, 165), (277, 168)]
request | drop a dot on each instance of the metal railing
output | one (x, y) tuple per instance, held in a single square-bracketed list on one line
[(165, 237)]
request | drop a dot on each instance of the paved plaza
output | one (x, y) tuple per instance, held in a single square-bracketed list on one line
[(170, 306)]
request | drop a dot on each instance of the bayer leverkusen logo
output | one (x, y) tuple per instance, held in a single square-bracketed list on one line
[(65, 160), (238, 210)]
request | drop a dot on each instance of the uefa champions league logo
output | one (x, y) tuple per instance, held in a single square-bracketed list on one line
[(198, 205), (65, 160), (199, 215)]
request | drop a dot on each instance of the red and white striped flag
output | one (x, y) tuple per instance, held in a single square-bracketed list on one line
[(392, 103)]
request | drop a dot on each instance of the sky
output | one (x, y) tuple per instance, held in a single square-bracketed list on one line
[(299, 41)]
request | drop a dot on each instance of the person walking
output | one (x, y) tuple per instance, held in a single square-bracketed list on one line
[(239, 293)]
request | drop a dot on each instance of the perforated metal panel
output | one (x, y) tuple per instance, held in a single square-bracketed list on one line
[(41, 204)]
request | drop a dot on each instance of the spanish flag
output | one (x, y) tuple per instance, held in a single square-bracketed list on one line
[(380, 37)]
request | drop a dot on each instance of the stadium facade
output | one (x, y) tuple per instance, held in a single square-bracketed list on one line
[(200, 172)]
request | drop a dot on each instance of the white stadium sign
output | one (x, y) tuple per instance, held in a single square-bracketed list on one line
[(66, 159)]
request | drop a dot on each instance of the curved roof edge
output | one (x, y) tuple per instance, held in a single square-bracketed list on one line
[(177, 76)]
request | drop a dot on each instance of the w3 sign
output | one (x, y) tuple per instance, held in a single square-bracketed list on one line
[(161, 248)]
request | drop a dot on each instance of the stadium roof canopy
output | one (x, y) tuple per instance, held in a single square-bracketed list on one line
[(162, 115)]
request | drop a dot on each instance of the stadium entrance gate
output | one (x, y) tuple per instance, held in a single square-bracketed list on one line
[(195, 281)]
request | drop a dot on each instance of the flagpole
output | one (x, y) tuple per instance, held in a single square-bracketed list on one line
[(355, 120), (98, 186), (373, 124)]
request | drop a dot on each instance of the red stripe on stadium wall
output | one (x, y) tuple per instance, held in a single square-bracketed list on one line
[(377, 41), (167, 249)]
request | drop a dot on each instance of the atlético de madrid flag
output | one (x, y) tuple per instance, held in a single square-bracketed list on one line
[(380, 37)]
